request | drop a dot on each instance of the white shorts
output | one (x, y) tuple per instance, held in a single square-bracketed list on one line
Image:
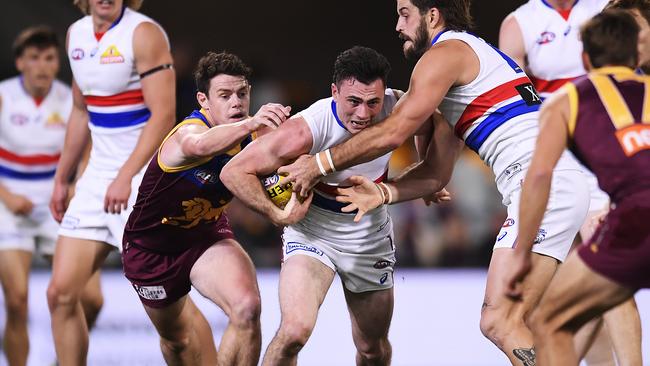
[(33, 233), (566, 211), (362, 265), (85, 217)]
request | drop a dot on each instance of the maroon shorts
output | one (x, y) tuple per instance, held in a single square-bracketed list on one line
[(620, 247), (162, 278)]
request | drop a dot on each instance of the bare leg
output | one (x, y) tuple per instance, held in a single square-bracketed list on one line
[(179, 341), (576, 295), (304, 282), (92, 299), (204, 332), (503, 321), (75, 261), (371, 313), (624, 327), (14, 276), (235, 290), (592, 344)]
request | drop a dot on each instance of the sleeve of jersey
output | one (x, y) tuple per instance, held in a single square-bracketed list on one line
[(315, 115)]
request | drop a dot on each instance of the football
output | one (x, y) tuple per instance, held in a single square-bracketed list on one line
[(278, 194)]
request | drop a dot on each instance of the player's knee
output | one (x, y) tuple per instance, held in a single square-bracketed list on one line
[(493, 324), (16, 304), (374, 351), (175, 343), (60, 296), (294, 335), (538, 322), (245, 313)]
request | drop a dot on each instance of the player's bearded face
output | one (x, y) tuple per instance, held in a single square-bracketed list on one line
[(416, 45)]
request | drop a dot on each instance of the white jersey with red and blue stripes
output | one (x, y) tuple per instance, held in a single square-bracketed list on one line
[(328, 130), (31, 138), (496, 114), (548, 34), (103, 67)]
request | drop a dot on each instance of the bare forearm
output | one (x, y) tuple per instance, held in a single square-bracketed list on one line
[(77, 137), (533, 201), (248, 189), (416, 182), (216, 140)]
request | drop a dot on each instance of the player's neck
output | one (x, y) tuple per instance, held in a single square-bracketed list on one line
[(561, 4), (103, 24), (35, 92)]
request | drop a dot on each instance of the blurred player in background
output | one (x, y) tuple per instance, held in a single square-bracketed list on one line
[(328, 241), (123, 100), (534, 35), (34, 108), (178, 235), (602, 117), (640, 9)]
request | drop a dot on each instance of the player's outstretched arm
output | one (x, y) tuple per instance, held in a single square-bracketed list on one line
[(425, 178), (192, 142), (437, 71), (551, 143), (77, 137), (261, 158)]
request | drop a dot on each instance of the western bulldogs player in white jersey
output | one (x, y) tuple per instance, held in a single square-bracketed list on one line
[(123, 99), (492, 106), (328, 241), (533, 35)]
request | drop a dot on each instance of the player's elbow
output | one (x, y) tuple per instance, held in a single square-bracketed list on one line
[(227, 176)]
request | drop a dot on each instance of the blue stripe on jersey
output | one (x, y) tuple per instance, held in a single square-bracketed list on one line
[(196, 114), (336, 116), (10, 173), (121, 119), (435, 39), (328, 204), (496, 119)]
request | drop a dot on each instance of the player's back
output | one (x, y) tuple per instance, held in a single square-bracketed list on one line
[(610, 130)]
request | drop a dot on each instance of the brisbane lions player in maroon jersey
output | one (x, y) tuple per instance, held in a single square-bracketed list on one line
[(178, 235), (604, 118)]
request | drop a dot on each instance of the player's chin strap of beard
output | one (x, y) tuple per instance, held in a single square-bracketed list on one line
[(156, 69)]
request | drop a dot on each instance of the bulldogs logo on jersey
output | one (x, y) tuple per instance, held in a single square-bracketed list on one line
[(77, 54), (546, 37)]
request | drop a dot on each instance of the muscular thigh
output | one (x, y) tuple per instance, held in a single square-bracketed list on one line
[(224, 273), (304, 282), (370, 312)]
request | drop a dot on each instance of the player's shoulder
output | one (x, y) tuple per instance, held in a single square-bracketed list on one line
[(527, 9), (11, 82)]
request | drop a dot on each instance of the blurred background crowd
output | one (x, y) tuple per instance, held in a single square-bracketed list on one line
[(291, 46)]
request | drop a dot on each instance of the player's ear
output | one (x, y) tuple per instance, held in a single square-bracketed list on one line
[(335, 92), (433, 17), (203, 100), (586, 62)]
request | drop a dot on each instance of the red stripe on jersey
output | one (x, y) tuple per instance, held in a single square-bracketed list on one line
[(126, 98), (549, 86), (485, 101), (29, 159)]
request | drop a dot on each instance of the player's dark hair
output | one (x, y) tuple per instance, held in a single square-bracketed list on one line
[(456, 13), (40, 36), (213, 64), (602, 39), (642, 6), (361, 63)]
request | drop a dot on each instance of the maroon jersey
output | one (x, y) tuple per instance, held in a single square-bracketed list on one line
[(610, 130), (183, 206)]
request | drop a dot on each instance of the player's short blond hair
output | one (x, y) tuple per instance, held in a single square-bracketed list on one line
[(83, 5)]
